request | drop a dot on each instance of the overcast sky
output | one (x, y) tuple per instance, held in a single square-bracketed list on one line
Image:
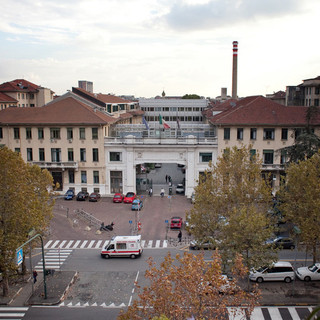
[(142, 47)]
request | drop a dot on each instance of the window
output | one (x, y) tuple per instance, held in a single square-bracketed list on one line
[(41, 154), (82, 133), (226, 134), (55, 154), (240, 133), (268, 134), (205, 157), (16, 133), (316, 102), (40, 133), (1, 133), (268, 156), (17, 150), (115, 156), (121, 246), (253, 133), (69, 133), (28, 133), (29, 154), (95, 176), (54, 133), (317, 90), (71, 176), (70, 154), (252, 153), (95, 154), (284, 134), (283, 158), (83, 176), (83, 154), (94, 133)]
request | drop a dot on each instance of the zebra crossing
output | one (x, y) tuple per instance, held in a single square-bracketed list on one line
[(232, 313), (54, 258), (98, 244), (13, 313)]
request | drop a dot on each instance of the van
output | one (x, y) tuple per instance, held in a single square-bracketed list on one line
[(279, 271), (123, 246)]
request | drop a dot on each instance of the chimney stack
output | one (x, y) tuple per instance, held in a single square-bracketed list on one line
[(234, 69)]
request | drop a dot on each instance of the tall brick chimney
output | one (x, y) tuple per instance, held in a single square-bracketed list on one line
[(234, 69)]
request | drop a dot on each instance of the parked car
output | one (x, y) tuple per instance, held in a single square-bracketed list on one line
[(309, 273), (82, 196), (204, 244), (158, 165), (281, 242), (130, 196), (118, 197), (176, 223), (69, 195), (137, 204), (180, 188), (94, 197), (279, 271)]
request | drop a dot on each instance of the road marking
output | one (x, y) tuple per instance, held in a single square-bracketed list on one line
[(165, 244), (62, 243), (48, 244), (69, 243), (91, 244), (143, 243), (98, 244), (83, 244), (76, 244), (56, 242), (157, 244), (294, 314), (150, 244)]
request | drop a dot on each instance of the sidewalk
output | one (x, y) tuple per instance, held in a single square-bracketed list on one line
[(57, 286)]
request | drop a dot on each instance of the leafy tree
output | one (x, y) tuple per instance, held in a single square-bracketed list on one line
[(300, 200), (231, 208), (307, 143), (190, 286), (191, 96), (25, 203)]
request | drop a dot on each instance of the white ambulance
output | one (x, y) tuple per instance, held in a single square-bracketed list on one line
[(123, 246)]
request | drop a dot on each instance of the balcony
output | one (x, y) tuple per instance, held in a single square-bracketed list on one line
[(57, 165), (273, 167)]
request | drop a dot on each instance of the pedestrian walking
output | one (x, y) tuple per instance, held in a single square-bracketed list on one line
[(34, 274), (150, 192), (166, 178), (180, 235)]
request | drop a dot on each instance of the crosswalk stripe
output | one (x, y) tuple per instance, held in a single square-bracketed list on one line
[(158, 244), (294, 314), (98, 244), (236, 313), (48, 244), (150, 244), (105, 243), (83, 244), (14, 308), (143, 242), (165, 243), (91, 243), (62, 243), (274, 313), (76, 244), (56, 242), (69, 244), (256, 314)]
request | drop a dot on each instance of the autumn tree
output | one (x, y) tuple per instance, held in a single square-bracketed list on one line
[(25, 203), (300, 200), (188, 286), (231, 208)]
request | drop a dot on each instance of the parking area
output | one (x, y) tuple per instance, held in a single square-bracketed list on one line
[(66, 224)]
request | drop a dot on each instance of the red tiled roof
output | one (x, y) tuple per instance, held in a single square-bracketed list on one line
[(5, 98), (67, 111), (258, 110), (19, 85)]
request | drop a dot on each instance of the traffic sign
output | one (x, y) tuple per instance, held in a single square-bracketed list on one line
[(130, 221), (19, 256), (166, 221)]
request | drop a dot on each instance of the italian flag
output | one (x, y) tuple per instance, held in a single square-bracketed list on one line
[(163, 122)]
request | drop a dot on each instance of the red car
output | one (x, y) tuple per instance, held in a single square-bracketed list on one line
[(130, 196), (118, 197), (176, 223)]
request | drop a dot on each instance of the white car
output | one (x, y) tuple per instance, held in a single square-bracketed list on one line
[(180, 188), (309, 273), (279, 271)]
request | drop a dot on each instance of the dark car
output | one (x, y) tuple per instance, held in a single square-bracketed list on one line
[(82, 196), (281, 242), (69, 195), (94, 197)]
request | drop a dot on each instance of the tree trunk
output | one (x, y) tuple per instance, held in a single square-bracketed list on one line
[(23, 266), (5, 284), (314, 253)]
